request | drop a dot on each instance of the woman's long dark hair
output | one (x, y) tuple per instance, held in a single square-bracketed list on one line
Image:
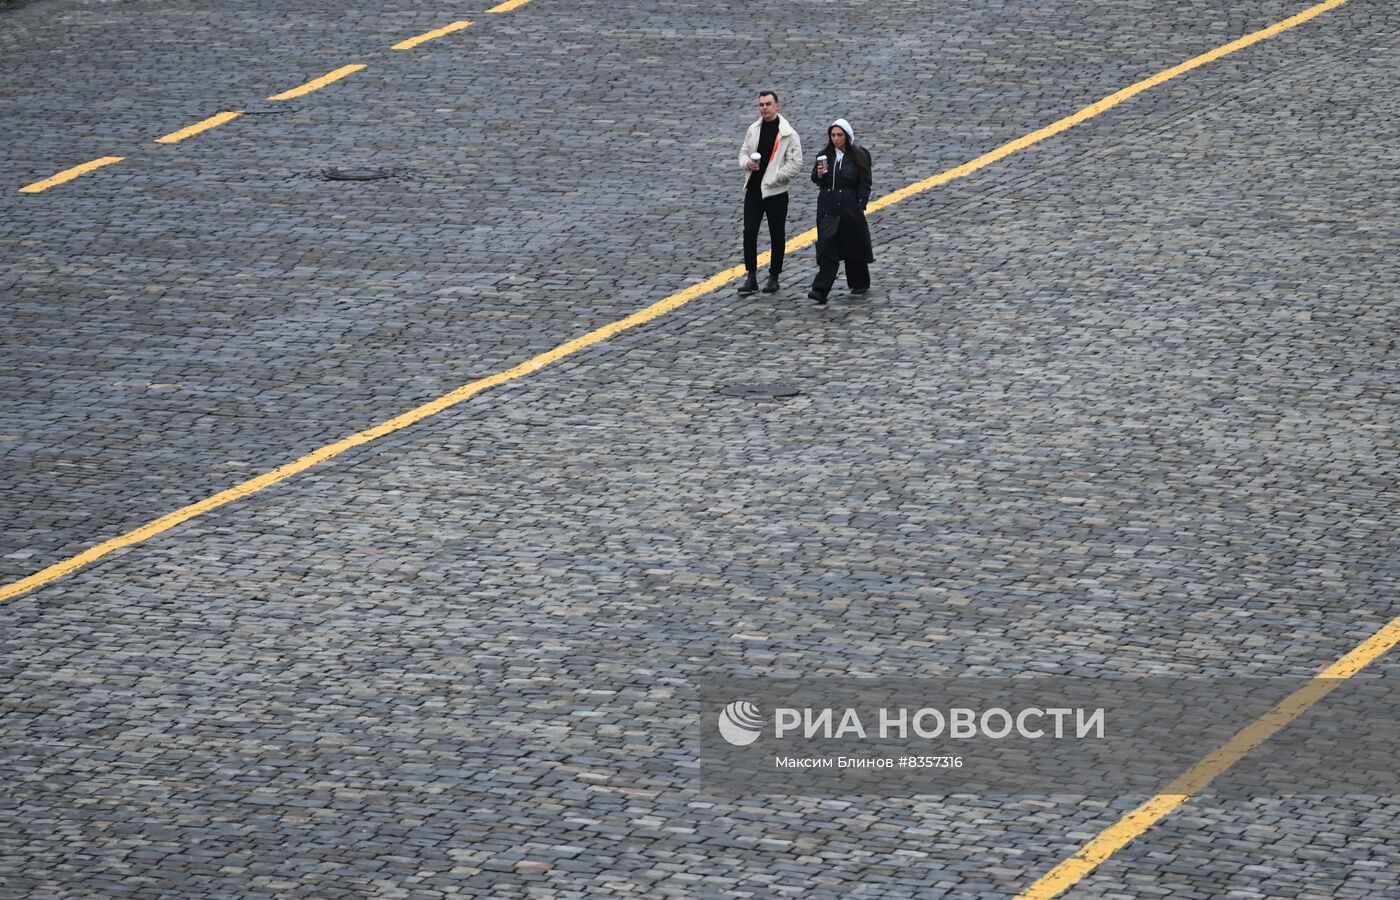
[(852, 151)]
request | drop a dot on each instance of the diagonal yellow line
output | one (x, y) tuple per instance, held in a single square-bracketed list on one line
[(316, 84), (660, 308), (70, 174), (1115, 837), (426, 36), (213, 121), (1106, 103), (507, 6)]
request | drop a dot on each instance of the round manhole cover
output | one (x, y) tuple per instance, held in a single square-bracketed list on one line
[(353, 174), (776, 391)]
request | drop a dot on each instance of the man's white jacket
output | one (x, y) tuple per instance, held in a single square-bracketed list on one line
[(786, 163)]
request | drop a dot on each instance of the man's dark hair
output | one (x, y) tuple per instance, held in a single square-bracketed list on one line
[(772, 94)]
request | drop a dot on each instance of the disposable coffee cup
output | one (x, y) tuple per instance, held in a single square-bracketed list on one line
[(755, 156), (821, 162)]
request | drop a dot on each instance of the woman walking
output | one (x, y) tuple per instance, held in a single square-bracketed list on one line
[(843, 174)]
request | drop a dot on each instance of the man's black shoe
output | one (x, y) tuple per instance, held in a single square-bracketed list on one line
[(772, 286), (750, 284), (813, 295), (859, 291)]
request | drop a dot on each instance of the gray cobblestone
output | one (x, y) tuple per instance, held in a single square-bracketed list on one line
[(1122, 404)]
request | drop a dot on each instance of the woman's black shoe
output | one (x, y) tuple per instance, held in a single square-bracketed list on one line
[(859, 291), (750, 285), (772, 286), (813, 295)]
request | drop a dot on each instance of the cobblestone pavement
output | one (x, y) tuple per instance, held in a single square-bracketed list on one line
[(1124, 403)]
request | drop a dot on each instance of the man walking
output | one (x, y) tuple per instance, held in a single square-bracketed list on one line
[(771, 157)]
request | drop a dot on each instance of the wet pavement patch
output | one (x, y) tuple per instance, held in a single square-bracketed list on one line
[(356, 174), (774, 391)]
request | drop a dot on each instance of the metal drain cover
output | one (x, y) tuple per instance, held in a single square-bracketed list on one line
[(776, 391), (355, 174)]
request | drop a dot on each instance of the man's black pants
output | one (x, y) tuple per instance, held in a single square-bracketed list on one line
[(755, 208)]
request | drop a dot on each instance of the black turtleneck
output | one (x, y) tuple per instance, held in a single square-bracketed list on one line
[(767, 137)]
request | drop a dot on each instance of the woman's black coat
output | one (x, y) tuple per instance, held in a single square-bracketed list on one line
[(841, 227)]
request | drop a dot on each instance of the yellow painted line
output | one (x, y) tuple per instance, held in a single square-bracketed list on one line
[(213, 121), (1106, 103), (1119, 834), (69, 175), (507, 6), (316, 457), (641, 317), (316, 84), (430, 35)]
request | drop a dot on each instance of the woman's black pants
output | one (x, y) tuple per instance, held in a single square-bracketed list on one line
[(857, 274)]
